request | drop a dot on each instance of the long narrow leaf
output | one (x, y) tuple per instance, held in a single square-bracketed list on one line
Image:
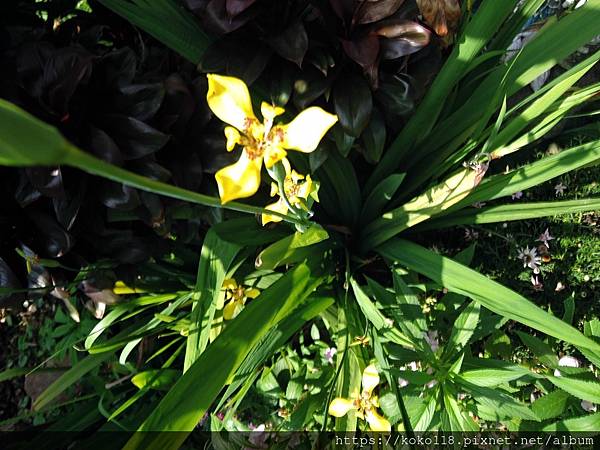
[(494, 296)]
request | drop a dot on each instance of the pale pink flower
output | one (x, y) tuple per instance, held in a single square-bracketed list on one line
[(545, 237), (530, 259)]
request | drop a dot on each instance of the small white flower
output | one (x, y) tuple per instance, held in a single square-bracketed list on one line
[(431, 337), (402, 382), (566, 361), (537, 285), (545, 237), (517, 195), (559, 189), (530, 259), (559, 287), (329, 354), (478, 205), (588, 406), (471, 235)]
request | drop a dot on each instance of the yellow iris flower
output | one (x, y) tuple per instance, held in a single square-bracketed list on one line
[(229, 100), (297, 188), (365, 404), (235, 298)]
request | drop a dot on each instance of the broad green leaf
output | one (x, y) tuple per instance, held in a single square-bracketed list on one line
[(27, 141), (290, 248), (583, 389), (459, 420), (67, 379), (421, 422), (275, 339), (216, 258), (434, 201), (495, 404), (192, 395), (584, 423), (542, 351), (551, 405), (463, 329), (161, 379), (381, 195), (495, 297), (183, 34), (491, 377)]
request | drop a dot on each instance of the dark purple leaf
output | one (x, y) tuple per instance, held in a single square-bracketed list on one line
[(55, 239), (402, 38), (217, 19), (343, 8), (369, 11), (104, 147), (242, 59), (353, 104), (47, 180), (321, 59), (179, 105), (135, 138), (25, 193), (395, 99), (292, 43), (235, 7), (140, 101), (364, 50), (67, 207), (64, 71), (116, 68), (188, 172), (119, 196)]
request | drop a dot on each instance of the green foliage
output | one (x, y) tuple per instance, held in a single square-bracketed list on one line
[(319, 302)]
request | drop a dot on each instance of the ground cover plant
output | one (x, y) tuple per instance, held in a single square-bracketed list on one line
[(255, 217)]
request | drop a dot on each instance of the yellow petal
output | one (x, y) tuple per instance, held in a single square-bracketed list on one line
[(305, 188), (376, 421), (274, 154), (233, 137), (269, 112), (229, 283), (274, 189), (308, 128), (370, 378), (229, 312), (278, 206), (229, 100), (340, 406), (239, 180), (252, 293)]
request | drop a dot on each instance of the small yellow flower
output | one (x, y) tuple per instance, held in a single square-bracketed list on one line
[(235, 298), (297, 188), (365, 404), (229, 100)]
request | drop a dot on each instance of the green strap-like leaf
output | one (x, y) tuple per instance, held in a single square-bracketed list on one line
[(494, 296), (191, 396), (216, 257), (512, 212)]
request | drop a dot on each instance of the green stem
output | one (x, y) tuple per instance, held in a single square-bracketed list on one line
[(95, 166)]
